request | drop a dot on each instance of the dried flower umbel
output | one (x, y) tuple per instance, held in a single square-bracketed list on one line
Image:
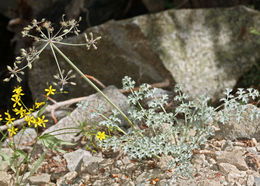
[(43, 32), (64, 80)]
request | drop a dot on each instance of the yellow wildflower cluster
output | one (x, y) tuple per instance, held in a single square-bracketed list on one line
[(23, 112)]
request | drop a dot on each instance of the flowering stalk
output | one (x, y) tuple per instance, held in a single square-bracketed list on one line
[(94, 86)]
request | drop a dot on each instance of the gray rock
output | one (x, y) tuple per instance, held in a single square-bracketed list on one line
[(40, 179), (88, 159), (243, 129), (164, 162), (209, 182), (84, 115), (235, 158), (227, 168), (98, 183), (198, 160), (257, 181), (128, 183), (93, 168), (235, 176), (24, 139), (5, 178), (3, 163), (250, 180), (147, 176), (74, 159), (202, 48), (67, 179)]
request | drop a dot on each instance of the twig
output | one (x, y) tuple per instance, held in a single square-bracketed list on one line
[(96, 80), (52, 108), (195, 151)]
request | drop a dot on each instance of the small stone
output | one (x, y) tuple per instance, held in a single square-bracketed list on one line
[(70, 176), (254, 142), (252, 150), (40, 179), (130, 167), (88, 159), (235, 158), (227, 168), (209, 182), (233, 177), (5, 178), (162, 182), (257, 181), (228, 146), (126, 160), (237, 184), (92, 168), (128, 183), (98, 183), (250, 180), (118, 163), (143, 177), (224, 183), (57, 158), (106, 163), (258, 147), (85, 177), (164, 162), (74, 159), (115, 171)]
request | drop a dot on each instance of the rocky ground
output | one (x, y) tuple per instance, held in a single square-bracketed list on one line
[(232, 157), (220, 162)]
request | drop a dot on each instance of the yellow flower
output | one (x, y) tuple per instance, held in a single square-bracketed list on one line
[(13, 130), (22, 112), (37, 105), (16, 101), (9, 119), (18, 90), (29, 119), (29, 111), (1, 117), (40, 121), (101, 135), (50, 90)]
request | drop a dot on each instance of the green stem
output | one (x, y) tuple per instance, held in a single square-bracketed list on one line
[(95, 87), (118, 128)]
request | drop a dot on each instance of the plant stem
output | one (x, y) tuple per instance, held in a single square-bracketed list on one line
[(95, 87)]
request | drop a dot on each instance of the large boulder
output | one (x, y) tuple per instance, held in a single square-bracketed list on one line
[(205, 50)]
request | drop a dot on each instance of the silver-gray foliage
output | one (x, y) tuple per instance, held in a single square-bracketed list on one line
[(174, 133)]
